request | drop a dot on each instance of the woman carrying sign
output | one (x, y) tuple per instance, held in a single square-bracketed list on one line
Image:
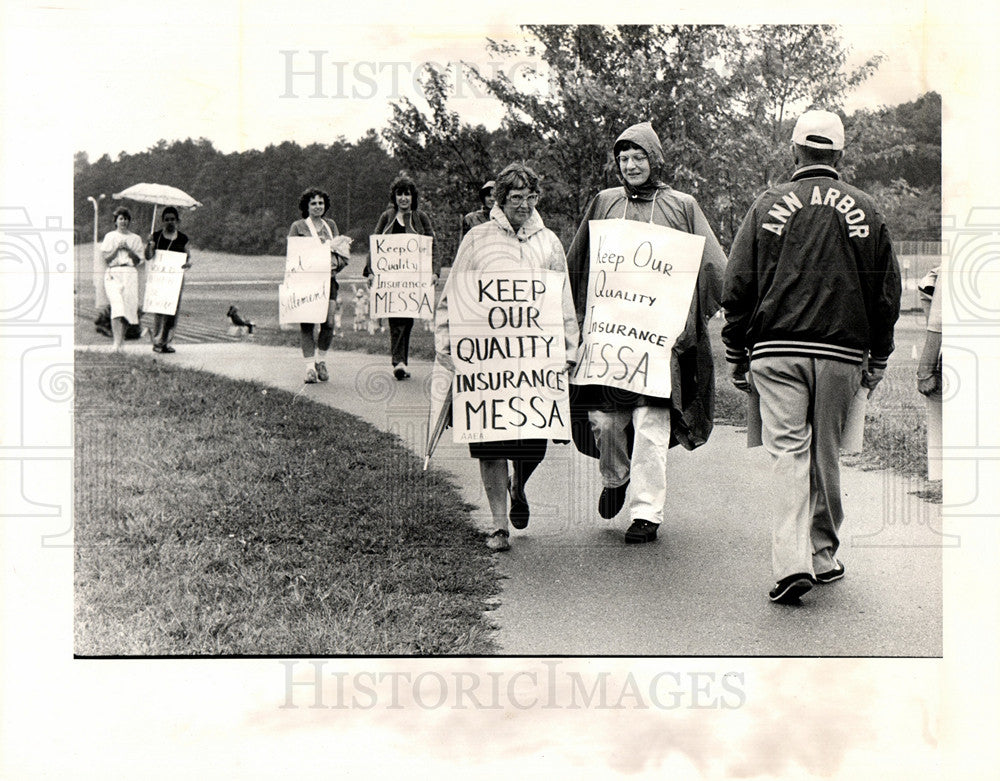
[(122, 252), (168, 238), (402, 216), (611, 422), (513, 238), (313, 205)]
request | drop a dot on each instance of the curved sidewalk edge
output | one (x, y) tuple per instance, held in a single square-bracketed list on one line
[(572, 586)]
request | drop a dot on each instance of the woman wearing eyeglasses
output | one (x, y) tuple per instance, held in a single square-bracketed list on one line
[(629, 432), (514, 237)]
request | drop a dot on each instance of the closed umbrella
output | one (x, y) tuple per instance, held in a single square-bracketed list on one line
[(158, 195), (439, 414)]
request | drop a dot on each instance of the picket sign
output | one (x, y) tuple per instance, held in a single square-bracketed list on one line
[(404, 276), (305, 295), (508, 346), (164, 278), (642, 278)]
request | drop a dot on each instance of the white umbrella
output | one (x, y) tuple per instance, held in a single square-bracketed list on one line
[(158, 195)]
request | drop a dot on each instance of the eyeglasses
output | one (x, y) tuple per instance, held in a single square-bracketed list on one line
[(518, 200), (639, 158)]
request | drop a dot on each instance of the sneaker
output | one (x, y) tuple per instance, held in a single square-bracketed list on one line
[(321, 371), (641, 531), (497, 542), (788, 590), (831, 575), (612, 500), (311, 376)]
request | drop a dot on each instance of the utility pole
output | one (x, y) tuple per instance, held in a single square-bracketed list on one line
[(100, 297)]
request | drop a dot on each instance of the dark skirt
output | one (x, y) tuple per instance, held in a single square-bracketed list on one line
[(510, 449)]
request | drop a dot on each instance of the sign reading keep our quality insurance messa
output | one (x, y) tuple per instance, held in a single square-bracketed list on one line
[(404, 276), (508, 346), (642, 277)]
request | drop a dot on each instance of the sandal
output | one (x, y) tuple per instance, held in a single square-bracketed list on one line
[(497, 542), (519, 511)]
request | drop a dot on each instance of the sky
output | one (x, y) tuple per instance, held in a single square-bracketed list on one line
[(106, 77), (250, 85)]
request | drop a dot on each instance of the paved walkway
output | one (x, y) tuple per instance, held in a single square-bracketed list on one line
[(572, 587)]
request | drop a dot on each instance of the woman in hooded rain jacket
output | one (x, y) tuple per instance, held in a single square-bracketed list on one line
[(628, 432)]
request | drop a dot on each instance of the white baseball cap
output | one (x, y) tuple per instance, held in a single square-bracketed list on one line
[(820, 130)]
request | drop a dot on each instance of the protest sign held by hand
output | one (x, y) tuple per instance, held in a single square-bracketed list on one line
[(164, 277), (403, 276), (642, 279), (509, 351), (304, 296)]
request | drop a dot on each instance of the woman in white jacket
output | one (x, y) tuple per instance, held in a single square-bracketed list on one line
[(514, 237)]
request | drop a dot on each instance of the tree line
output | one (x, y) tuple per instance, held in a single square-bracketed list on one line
[(249, 198), (722, 99)]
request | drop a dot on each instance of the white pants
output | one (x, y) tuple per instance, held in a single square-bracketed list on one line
[(647, 493)]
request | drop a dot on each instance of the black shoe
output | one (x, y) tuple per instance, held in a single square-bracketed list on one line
[(168, 349), (400, 373), (831, 575), (612, 500), (519, 511), (788, 590), (641, 531)]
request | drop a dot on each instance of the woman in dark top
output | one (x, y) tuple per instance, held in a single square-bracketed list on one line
[(402, 216), (171, 239)]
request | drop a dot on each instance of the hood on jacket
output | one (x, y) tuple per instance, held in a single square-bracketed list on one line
[(644, 137), (530, 227)]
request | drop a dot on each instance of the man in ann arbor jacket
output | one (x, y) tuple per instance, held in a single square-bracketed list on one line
[(811, 297)]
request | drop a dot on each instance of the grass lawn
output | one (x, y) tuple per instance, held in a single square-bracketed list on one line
[(222, 517)]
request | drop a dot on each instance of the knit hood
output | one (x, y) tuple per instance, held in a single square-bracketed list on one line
[(644, 137), (530, 227)]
